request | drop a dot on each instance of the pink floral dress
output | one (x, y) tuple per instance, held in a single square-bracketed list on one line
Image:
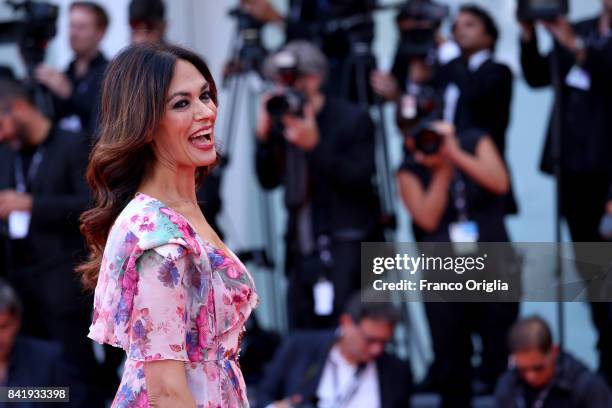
[(164, 293)]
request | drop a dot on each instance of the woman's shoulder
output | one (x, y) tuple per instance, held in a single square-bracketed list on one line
[(149, 223)]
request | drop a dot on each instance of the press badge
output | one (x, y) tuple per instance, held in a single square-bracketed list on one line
[(19, 224), (578, 78), (323, 294), (464, 236)]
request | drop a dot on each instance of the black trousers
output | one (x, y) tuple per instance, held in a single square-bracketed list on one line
[(303, 274), (451, 326), (583, 201)]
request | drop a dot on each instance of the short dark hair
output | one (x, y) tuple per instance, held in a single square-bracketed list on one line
[(486, 19), (9, 301), (12, 90), (359, 310), (531, 333), (97, 10), (150, 12)]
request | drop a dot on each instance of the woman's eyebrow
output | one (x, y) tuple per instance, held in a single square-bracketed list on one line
[(204, 87)]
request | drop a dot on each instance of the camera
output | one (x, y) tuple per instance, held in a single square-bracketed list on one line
[(33, 32), (426, 139), (416, 113), (251, 54), (530, 10), (289, 100), (425, 18)]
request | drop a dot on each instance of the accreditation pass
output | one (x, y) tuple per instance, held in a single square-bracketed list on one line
[(34, 394)]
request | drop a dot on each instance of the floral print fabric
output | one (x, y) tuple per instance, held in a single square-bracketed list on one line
[(164, 293)]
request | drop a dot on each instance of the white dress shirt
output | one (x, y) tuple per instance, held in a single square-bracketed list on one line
[(339, 387)]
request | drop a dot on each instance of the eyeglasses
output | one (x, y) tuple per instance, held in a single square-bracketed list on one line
[(536, 368), (371, 340)]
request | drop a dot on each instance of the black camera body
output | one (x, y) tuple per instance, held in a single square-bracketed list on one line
[(416, 113), (530, 10), (33, 32), (288, 101), (426, 139), (427, 15)]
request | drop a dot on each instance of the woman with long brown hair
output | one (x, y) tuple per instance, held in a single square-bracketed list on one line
[(167, 290)]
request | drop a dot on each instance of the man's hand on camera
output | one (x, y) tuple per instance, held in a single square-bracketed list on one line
[(261, 10), (302, 132), (563, 32), (450, 145), (385, 85), (57, 82)]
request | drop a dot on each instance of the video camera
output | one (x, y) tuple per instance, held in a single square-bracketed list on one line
[(33, 32), (416, 113), (530, 10), (251, 53), (289, 100), (424, 18)]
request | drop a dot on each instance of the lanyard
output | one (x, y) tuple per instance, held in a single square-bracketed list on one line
[(541, 398), (21, 180), (342, 399), (460, 196), (539, 402)]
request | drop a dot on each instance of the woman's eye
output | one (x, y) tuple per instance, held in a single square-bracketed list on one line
[(205, 95), (180, 104)]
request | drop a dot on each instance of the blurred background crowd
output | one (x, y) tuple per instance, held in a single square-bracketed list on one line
[(342, 122)]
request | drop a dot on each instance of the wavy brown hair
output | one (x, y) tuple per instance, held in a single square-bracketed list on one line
[(132, 105)]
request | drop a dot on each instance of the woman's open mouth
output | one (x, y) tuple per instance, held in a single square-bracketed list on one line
[(202, 140)]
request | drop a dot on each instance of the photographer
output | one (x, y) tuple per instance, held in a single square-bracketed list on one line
[(541, 375), (313, 21), (583, 56), (347, 367), (453, 186), (420, 42), (78, 89), (323, 155)]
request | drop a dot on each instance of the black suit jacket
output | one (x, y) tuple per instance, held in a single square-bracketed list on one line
[(586, 114), (85, 98), (485, 97), (39, 363), (341, 169), (60, 194), (298, 366)]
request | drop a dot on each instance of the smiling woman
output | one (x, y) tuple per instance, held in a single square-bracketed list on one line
[(167, 290)]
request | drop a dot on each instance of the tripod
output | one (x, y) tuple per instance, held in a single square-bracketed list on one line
[(361, 61), (248, 55)]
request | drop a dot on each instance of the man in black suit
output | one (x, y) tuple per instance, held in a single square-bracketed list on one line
[(30, 362), (42, 194), (325, 161), (347, 367), (77, 91), (584, 62), (477, 89)]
